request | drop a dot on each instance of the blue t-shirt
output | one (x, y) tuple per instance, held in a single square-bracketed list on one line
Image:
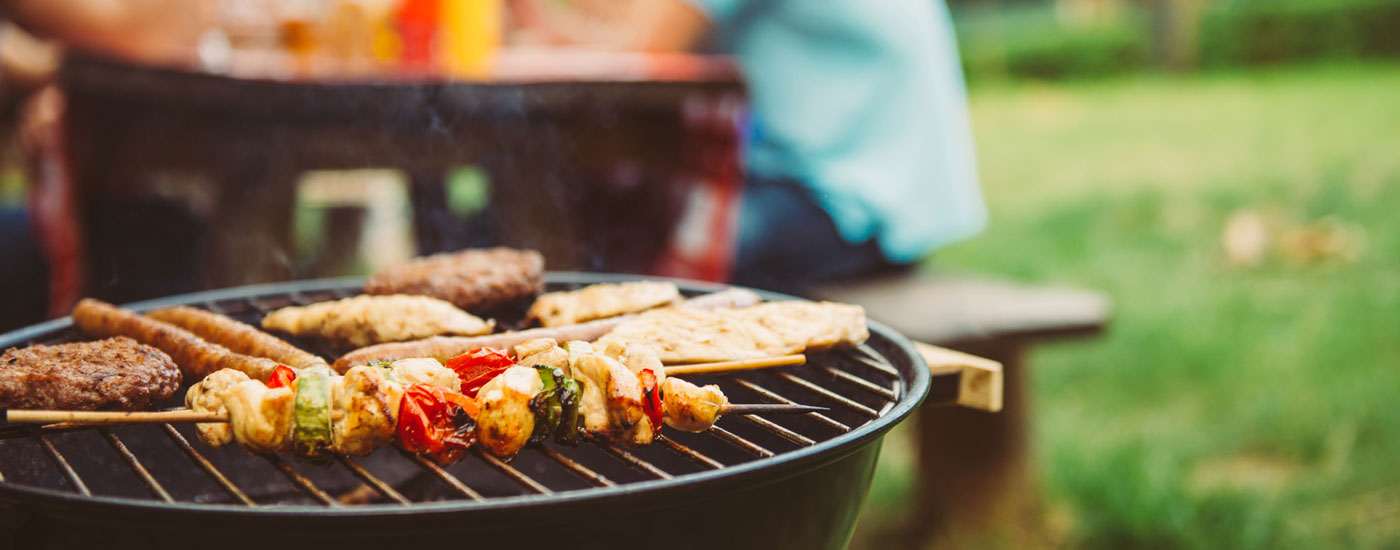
[(864, 102)]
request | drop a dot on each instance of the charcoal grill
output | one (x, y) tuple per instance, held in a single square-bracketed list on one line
[(794, 481)]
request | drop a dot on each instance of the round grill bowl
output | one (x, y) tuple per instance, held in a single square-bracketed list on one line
[(806, 494)]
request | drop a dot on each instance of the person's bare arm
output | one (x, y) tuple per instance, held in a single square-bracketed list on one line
[(143, 30), (647, 26), (665, 26), (26, 63)]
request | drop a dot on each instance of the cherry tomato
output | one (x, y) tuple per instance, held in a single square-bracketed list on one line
[(436, 423)]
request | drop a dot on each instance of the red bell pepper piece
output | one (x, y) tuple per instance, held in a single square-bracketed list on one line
[(651, 397), (281, 376), (477, 367)]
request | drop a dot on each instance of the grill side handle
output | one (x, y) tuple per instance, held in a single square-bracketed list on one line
[(980, 379)]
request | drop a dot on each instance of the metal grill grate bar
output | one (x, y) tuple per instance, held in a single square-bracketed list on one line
[(860, 382), (146, 479), (300, 480), (733, 439), (581, 470), (631, 459), (773, 396), (443, 475), (16, 432), (779, 430), (205, 465), (814, 388), (511, 472), (372, 480), (688, 452), (871, 358), (63, 464)]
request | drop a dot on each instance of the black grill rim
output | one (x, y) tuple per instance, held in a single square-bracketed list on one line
[(914, 375)]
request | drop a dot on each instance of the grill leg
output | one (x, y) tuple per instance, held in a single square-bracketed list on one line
[(974, 466)]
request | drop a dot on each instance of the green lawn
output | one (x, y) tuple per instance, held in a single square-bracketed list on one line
[(1227, 407)]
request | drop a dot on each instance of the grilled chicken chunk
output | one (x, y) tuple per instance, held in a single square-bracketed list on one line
[(612, 395), (424, 370), (638, 359), (691, 408), (542, 351), (364, 408), (205, 396), (261, 418), (365, 320), (505, 421), (601, 301)]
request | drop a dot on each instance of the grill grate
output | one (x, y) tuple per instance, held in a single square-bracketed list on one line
[(858, 385)]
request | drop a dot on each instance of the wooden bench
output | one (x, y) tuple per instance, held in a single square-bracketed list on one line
[(974, 465)]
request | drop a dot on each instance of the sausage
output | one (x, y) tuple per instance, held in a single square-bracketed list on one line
[(443, 348), (236, 336), (196, 357)]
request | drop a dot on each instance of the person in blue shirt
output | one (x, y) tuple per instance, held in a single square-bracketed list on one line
[(860, 159)]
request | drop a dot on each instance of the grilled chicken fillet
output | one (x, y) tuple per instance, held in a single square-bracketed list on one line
[(555, 309), (366, 320)]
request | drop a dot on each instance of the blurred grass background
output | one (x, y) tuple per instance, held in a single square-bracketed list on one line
[(1227, 406)]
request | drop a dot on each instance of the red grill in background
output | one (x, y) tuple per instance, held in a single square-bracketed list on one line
[(187, 180), (703, 242)]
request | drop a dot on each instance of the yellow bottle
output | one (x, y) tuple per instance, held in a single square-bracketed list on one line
[(471, 33)]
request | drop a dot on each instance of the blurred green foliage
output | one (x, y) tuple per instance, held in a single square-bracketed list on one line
[(1258, 33), (1029, 41), (1034, 41), (1226, 406)]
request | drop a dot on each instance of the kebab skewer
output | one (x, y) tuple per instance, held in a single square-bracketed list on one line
[(414, 403), (620, 393)]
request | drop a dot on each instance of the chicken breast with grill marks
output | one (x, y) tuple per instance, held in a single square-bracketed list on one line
[(771, 329), (366, 320), (601, 301)]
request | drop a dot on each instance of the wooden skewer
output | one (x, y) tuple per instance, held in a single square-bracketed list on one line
[(106, 418), (111, 417), (731, 366)]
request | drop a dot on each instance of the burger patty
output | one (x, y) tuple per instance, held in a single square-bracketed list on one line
[(474, 280), (112, 374)]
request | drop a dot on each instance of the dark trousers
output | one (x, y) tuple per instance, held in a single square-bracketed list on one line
[(788, 243), (23, 272)]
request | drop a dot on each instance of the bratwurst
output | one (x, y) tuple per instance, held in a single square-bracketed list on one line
[(196, 357)]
